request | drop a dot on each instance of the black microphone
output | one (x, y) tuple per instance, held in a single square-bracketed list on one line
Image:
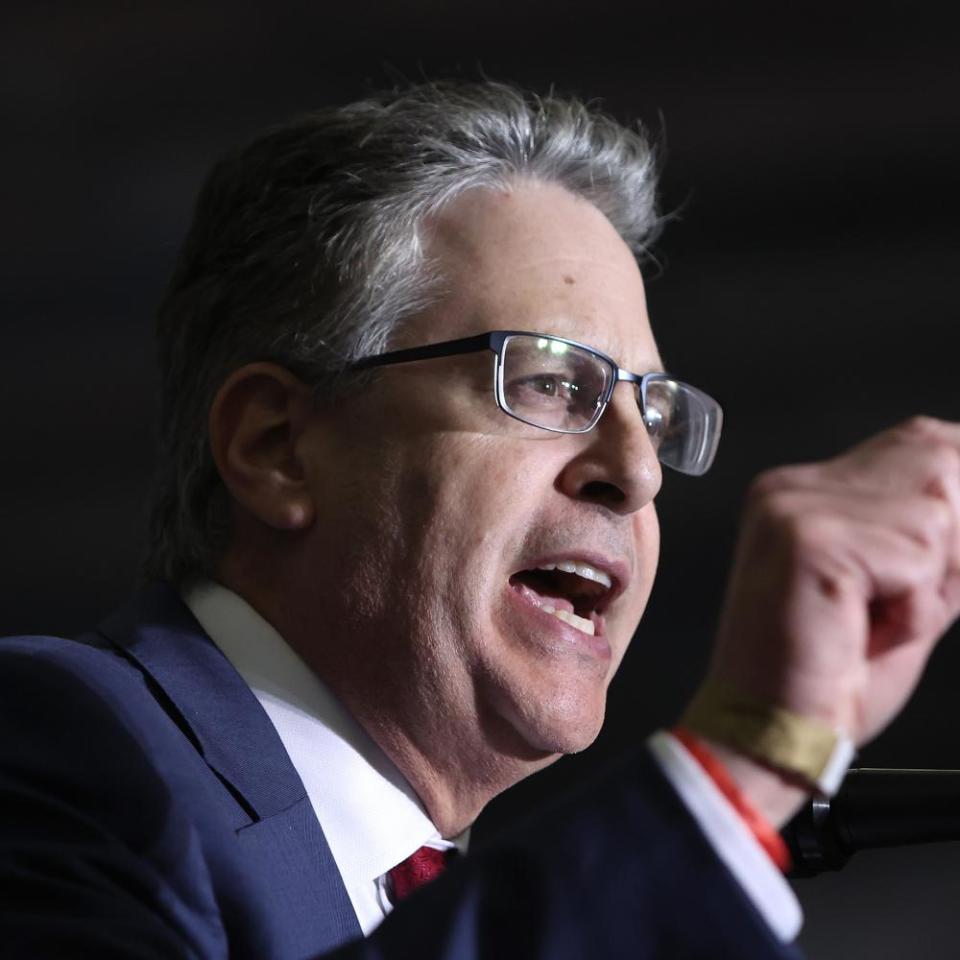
[(874, 808)]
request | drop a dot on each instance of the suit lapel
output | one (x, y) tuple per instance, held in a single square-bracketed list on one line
[(237, 740), (231, 730)]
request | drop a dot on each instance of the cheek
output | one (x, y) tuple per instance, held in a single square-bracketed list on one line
[(470, 501), (480, 488)]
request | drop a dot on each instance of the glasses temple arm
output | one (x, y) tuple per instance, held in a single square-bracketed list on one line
[(447, 348)]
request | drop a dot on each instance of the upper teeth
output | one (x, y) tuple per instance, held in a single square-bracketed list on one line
[(581, 570)]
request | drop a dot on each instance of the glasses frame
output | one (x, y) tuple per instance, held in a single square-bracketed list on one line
[(496, 341)]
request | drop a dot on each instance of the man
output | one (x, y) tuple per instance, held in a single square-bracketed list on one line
[(404, 531)]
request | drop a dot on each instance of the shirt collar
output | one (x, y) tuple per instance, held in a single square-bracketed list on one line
[(370, 815)]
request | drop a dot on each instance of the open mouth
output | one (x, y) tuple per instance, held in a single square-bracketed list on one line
[(574, 592)]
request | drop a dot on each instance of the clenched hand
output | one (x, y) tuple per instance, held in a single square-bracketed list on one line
[(846, 575)]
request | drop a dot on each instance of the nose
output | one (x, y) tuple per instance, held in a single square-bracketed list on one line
[(617, 466)]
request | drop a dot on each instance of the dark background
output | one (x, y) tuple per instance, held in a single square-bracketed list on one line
[(809, 282)]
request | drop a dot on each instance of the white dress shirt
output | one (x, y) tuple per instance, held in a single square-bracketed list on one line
[(370, 815)]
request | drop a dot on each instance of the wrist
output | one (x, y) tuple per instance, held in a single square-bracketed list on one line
[(796, 748), (776, 796)]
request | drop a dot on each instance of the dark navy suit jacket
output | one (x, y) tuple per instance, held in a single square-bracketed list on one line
[(148, 809)]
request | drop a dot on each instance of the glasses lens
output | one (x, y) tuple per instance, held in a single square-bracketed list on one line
[(683, 422), (552, 384)]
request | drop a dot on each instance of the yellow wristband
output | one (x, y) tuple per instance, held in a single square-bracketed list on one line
[(815, 752)]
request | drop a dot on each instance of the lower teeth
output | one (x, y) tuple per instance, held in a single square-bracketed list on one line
[(582, 624)]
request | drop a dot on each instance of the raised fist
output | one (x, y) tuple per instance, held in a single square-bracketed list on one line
[(846, 574)]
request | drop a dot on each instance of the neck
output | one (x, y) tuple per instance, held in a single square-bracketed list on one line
[(456, 757), (454, 769)]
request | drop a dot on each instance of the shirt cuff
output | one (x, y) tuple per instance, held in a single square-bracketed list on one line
[(730, 837)]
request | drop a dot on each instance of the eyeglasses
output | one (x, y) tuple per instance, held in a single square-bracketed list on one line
[(564, 386)]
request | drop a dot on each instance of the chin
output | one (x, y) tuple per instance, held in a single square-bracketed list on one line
[(558, 724), (564, 740), (537, 703)]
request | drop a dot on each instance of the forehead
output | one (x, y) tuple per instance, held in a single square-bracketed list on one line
[(536, 258)]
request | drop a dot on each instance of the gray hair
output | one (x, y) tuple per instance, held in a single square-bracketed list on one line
[(306, 250)]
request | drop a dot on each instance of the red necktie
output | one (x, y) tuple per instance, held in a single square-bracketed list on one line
[(418, 869)]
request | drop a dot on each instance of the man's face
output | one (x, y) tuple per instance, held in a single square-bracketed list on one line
[(437, 512)]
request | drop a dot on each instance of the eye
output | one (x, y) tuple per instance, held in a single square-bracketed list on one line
[(659, 415), (553, 386), (655, 420), (544, 386)]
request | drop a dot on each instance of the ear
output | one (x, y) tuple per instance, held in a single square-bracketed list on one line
[(256, 419)]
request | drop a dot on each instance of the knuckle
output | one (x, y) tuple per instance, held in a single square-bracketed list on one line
[(785, 515), (942, 518), (934, 448), (921, 427), (944, 461), (805, 541), (937, 469), (779, 506), (808, 533), (930, 518), (774, 481)]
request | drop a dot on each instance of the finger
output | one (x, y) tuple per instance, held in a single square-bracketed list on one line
[(924, 430), (875, 560), (928, 520), (905, 457), (904, 462), (911, 457), (897, 466)]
